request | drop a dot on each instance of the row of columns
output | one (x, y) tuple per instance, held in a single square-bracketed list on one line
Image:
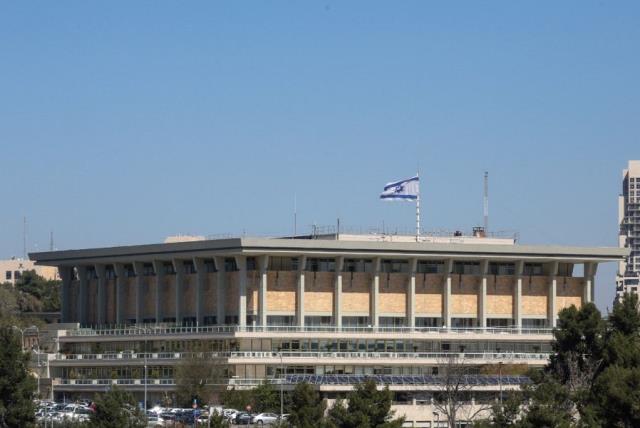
[(66, 274)]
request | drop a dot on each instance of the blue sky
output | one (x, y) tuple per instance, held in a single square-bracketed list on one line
[(124, 122)]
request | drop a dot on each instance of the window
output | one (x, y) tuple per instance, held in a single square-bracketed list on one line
[(533, 269), (189, 267), (463, 322), (280, 320), (534, 323), (317, 321), (358, 265), (147, 269), (128, 271), (355, 321), (252, 264), (17, 274), (499, 322), (209, 320), (502, 268), (428, 322), (430, 266), (321, 265), (231, 320), (8, 274), (395, 266), (169, 269), (466, 268), (209, 266), (230, 264), (392, 321), (283, 263), (109, 272)]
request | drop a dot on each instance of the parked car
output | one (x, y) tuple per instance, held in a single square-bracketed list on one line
[(264, 418), (243, 419)]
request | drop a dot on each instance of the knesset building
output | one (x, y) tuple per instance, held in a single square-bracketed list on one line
[(328, 309)]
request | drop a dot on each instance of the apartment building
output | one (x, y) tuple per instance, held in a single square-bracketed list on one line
[(329, 310), (628, 278)]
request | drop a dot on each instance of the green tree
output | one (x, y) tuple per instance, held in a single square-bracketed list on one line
[(37, 294), (117, 409), (17, 386), (265, 398), (368, 408), (306, 407), (198, 377), (237, 399), (217, 420)]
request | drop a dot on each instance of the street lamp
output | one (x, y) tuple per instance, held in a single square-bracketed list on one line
[(281, 383), (500, 380), (144, 332)]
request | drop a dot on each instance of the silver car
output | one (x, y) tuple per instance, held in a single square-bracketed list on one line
[(264, 419)]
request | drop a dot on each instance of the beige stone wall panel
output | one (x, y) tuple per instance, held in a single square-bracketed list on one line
[(253, 283), (464, 294), (569, 292), (281, 291), (149, 292), (500, 295), (318, 291), (535, 290), (356, 296), (129, 298), (429, 288), (232, 295), (189, 296), (74, 295), (92, 301), (393, 293), (110, 292), (168, 296), (210, 293)]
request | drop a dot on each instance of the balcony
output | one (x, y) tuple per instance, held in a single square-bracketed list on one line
[(235, 330)]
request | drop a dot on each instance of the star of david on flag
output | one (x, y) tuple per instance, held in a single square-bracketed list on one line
[(403, 190)]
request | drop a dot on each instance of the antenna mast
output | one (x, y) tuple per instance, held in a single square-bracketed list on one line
[(24, 237), (51, 241), (486, 202)]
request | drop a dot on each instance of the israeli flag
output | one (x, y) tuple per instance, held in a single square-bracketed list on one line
[(404, 190)]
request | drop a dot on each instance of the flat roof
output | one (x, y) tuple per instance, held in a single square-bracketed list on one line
[(327, 248)]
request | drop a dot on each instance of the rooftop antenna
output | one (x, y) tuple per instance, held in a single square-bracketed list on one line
[(24, 237), (486, 202), (51, 240)]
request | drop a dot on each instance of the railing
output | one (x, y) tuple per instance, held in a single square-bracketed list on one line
[(461, 357), (162, 330), (105, 382)]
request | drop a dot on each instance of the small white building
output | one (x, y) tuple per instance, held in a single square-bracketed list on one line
[(13, 268)]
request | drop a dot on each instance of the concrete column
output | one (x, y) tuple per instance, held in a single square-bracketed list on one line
[(553, 312), (300, 291), (201, 278), (517, 295), (82, 294), (375, 293), (589, 274), (158, 268), (482, 294), (101, 306), (178, 266), (241, 262), (446, 294), (66, 275), (138, 269), (411, 294), (263, 266), (120, 281), (337, 293), (221, 290)]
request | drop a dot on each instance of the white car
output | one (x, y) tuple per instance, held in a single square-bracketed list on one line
[(264, 418), (76, 412)]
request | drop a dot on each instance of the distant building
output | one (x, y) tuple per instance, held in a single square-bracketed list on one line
[(12, 270), (628, 278)]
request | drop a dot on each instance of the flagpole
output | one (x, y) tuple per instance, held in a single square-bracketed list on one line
[(418, 209)]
